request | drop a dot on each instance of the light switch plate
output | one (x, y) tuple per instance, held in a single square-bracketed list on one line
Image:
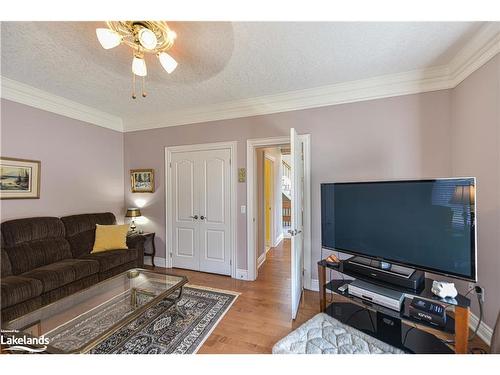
[(243, 209)]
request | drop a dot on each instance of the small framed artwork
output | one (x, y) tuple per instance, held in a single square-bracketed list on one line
[(19, 178), (142, 180)]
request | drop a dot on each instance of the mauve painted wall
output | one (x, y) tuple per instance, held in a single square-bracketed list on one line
[(82, 164), (476, 152), (400, 137)]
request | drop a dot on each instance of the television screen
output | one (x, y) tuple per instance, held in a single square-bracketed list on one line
[(425, 224)]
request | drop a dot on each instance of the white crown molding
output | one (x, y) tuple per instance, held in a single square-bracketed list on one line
[(28, 95), (478, 51), (347, 92)]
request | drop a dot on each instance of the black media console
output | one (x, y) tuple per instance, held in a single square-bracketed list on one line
[(394, 327)]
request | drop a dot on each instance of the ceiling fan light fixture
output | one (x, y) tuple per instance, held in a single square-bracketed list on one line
[(167, 62), (108, 38), (143, 37), (139, 66), (171, 36), (147, 38)]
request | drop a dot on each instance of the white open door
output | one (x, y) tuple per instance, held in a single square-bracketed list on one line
[(296, 231)]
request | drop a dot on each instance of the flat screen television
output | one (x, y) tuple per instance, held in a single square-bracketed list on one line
[(424, 224)]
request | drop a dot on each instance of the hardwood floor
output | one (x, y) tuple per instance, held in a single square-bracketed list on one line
[(262, 313)]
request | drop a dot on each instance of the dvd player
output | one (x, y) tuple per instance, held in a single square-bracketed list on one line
[(386, 297)]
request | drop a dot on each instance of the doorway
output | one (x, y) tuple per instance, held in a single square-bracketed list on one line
[(300, 213), (269, 212), (200, 207)]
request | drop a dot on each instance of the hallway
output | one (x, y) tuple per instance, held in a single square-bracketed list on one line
[(262, 313)]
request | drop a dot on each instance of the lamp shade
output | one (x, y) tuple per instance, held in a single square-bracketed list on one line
[(139, 66), (133, 212), (167, 61), (108, 38)]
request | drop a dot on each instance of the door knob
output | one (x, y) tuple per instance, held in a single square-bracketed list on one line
[(194, 217), (202, 217)]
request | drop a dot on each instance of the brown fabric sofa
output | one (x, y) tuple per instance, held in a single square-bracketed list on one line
[(47, 258)]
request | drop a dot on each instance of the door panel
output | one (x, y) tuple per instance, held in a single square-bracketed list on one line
[(214, 240), (185, 229), (184, 190), (297, 235), (214, 170), (185, 242), (215, 206)]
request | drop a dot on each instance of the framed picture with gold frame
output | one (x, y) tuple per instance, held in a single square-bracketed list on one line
[(19, 178), (142, 180)]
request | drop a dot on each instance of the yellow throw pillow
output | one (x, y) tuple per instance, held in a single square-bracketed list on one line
[(110, 237)]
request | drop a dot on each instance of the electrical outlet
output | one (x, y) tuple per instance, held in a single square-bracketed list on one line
[(480, 292), (470, 286)]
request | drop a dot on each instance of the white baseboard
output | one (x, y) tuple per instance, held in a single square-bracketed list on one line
[(241, 274), (159, 262), (484, 332), (261, 259), (314, 285), (278, 240)]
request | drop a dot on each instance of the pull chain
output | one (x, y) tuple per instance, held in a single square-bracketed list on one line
[(133, 86), (144, 94)]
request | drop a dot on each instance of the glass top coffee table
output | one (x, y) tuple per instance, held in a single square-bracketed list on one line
[(77, 323)]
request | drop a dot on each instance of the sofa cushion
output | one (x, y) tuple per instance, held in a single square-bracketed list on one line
[(20, 309), (61, 273), (69, 289), (80, 230), (35, 242), (15, 232), (112, 258), (6, 267), (110, 237), (16, 289)]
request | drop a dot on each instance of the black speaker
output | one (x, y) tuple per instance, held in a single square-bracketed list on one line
[(357, 267)]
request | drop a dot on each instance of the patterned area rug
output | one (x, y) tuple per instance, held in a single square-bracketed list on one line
[(158, 330)]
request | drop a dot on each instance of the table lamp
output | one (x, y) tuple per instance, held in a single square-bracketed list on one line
[(133, 212)]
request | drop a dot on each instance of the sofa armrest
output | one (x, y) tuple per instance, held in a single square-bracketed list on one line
[(136, 241)]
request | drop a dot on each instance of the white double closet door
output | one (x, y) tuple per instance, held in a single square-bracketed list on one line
[(201, 210)]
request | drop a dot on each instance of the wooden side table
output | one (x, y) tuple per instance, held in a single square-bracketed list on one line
[(149, 246)]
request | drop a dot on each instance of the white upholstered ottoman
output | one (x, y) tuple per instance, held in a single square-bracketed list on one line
[(326, 335)]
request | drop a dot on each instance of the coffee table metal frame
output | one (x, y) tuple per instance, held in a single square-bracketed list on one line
[(133, 301)]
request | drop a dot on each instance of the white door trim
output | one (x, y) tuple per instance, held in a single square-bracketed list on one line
[(232, 146), (252, 145)]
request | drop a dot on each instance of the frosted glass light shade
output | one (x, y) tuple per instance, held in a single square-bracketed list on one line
[(108, 38), (167, 61), (139, 67), (171, 35), (147, 38)]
